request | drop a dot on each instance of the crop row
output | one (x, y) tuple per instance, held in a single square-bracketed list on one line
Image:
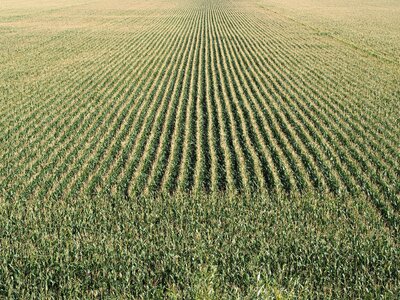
[(206, 98)]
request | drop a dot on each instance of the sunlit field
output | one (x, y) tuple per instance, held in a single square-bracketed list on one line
[(202, 149)]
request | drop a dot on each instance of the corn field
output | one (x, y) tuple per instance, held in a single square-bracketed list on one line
[(214, 98)]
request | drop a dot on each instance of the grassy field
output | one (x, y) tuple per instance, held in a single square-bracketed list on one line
[(371, 26), (199, 149)]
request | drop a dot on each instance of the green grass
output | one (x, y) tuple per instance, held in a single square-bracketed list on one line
[(196, 246)]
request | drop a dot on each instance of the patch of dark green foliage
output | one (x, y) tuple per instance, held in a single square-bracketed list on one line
[(196, 247)]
